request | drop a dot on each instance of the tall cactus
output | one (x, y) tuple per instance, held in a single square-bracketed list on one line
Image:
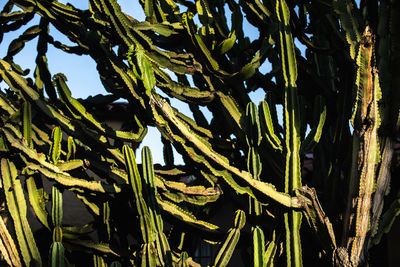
[(292, 123), (56, 249), (327, 157)]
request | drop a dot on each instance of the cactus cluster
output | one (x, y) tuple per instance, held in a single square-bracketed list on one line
[(333, 75)]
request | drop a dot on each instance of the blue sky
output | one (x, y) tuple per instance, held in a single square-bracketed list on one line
[(83, 79)]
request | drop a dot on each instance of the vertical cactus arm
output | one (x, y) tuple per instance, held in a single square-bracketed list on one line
[(267, 126), (55, 148), (167, 152), (314, 135), (162, 245), (16, 206), (56, 207), (151, 190), (74, 107), (366, 121), (135, 181), (42, 74), (56, 257), (384, 50), (27, 122), (348, 20), (292, 221), (98, 261), (163, 249), (270, 252), (148, 257), (227, 248), (253, 138), (204, 11), (149, 9), (71, 148), (292, 133), (8, 248), (259, 258), (146, 70), (252, 125), (291, 103), (288, 56), (132, 170), (226, 251), (105, 212)]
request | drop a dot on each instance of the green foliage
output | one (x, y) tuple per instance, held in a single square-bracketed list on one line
[(326, 73)]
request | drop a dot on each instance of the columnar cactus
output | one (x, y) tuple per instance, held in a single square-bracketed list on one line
[(334, 75)]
